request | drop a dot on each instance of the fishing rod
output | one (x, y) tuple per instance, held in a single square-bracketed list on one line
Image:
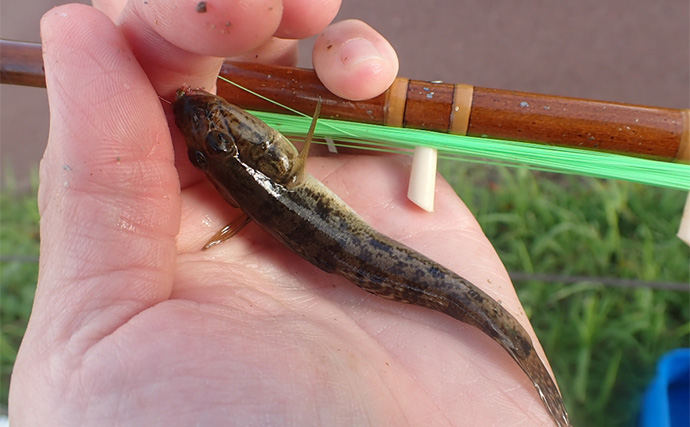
[(634, 130)]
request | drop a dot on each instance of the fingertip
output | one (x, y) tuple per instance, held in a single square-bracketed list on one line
[(305, 18), (275, 51), (221, 28), (354, 61), (101, 102), (50, 23), (183, 41), (110, 8)]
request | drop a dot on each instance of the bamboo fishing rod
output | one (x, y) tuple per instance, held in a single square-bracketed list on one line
[(661, 133)]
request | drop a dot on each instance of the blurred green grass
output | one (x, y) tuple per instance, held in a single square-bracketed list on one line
[(19, 245), (603, 342)]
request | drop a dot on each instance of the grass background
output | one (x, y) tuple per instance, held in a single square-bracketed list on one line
[(603, 342)]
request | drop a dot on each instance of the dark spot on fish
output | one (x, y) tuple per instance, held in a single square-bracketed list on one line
[(379, 245), (435, 272), (521, 344), (201, 7), (322, 207), (377, 280), (475, 295)]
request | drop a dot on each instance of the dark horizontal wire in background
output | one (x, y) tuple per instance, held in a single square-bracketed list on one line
[(606, 281)]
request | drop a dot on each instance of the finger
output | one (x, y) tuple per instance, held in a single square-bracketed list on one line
[(111, 8), (276, 51), (178, 43), (354, 61), (109, 195), (305, 18), (224, 27)]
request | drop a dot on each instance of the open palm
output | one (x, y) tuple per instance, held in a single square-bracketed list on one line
[(134, 325)]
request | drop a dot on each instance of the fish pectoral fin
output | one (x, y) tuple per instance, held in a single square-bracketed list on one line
[(301, 161), (228, 231)]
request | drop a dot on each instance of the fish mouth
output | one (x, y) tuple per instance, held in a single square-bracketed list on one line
[(189, 91), (185, 106)]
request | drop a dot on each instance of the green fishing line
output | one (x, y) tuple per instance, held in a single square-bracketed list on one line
[(534, 156)]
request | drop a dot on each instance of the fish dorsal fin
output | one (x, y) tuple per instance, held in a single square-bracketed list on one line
[(301, 161)]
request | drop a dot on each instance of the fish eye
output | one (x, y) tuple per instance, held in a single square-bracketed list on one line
[(197, 158), (221, 142)]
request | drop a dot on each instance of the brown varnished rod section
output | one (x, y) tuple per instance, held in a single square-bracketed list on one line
[(297, 88), (21, 63), (578, 122), (501, 114), (662, 133)]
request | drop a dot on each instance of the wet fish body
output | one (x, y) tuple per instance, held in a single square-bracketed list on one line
[(258, 170)]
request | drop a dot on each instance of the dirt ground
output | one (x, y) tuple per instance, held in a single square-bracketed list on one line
[(617, 50)]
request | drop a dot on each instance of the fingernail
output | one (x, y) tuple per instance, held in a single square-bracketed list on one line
[(358, 50)]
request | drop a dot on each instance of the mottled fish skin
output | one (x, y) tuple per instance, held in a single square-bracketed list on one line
[(253, 167)]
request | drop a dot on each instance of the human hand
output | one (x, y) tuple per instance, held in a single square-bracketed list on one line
[(134, 325)]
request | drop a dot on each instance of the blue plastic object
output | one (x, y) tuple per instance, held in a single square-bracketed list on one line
[(667, 399)]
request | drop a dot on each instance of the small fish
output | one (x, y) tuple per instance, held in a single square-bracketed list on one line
[(258, 170)]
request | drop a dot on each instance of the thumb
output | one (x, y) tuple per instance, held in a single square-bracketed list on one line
[(109, 192)]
